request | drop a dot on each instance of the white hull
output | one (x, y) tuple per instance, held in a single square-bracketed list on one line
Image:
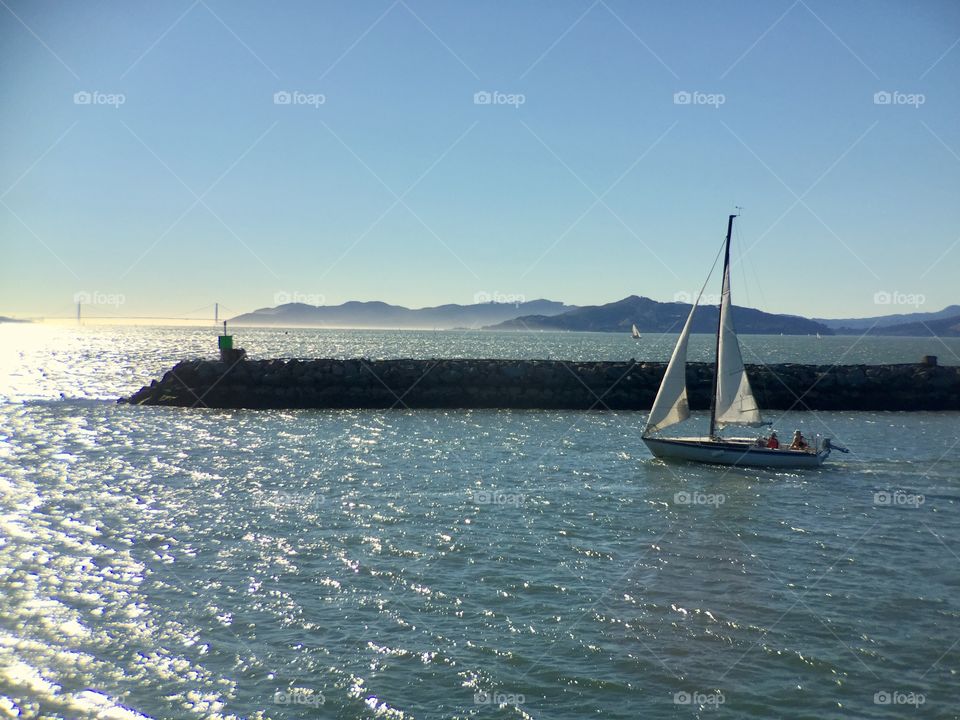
[(742, 453)]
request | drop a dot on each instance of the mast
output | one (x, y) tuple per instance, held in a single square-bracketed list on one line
[(716, 358)]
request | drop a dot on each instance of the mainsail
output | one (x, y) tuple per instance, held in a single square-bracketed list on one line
[(734, 402)]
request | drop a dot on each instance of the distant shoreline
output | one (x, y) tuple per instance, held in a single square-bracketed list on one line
[(537, 331), (209, 324)]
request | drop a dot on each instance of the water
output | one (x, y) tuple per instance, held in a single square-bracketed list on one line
[(163, 562)]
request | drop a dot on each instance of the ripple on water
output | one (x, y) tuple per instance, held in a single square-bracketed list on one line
[(171, 564), (73, 605)]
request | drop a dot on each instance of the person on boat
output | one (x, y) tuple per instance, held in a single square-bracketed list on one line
[(773, 443), (799, 442)]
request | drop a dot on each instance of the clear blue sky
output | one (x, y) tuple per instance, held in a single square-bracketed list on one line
[(399, 187)]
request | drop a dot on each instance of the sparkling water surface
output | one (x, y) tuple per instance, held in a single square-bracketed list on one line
[(169, 563)]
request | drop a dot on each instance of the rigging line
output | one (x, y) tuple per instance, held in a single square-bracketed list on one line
[(710, 274), (746, 285)]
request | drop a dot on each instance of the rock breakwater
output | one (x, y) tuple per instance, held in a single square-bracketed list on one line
[(535, 384)]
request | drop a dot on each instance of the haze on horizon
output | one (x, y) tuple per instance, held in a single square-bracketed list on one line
[(421, 153)]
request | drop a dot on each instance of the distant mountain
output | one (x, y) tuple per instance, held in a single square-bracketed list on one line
[(882, 321), (5, 319), (356, 314), (943, 327), (659, 317), (648, 315)]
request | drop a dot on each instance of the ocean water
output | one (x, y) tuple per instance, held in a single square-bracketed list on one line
[(174, 563)]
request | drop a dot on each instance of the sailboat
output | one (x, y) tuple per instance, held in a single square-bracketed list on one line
[(634, 333), (732, 402)]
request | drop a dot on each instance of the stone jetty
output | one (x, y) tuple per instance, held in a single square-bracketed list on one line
[(535, 384)]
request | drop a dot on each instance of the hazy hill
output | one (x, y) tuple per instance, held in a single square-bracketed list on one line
[(648, 315), (651, 316), (882, 321), (943, 327), (356, 314)]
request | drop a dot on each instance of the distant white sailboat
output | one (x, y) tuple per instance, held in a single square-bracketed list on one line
[(634, 333), (732, 403)]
